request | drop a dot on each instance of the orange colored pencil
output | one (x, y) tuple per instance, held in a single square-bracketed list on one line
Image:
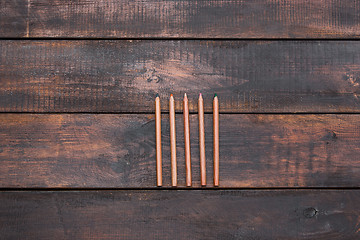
[(216, 139), (202, 140), (173, 141), (187, 140), (158, 140)]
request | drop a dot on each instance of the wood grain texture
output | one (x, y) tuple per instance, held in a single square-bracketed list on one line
[(14, 18), (124, 76), (105, 150), (320, 215), (188, 18)]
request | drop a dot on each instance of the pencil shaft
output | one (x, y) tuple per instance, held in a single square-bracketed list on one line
[(202, 140), (173, 142), (216, 140), (158, 141), (187, 141)]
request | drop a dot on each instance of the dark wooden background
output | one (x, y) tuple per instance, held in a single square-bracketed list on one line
[(77, 142)]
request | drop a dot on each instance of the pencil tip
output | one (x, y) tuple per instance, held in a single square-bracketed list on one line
[(215, 95), (185, 95), (171, 95), (157, 95), (200, 95)]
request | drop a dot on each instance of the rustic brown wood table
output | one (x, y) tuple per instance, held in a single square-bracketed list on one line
[(77, 130)]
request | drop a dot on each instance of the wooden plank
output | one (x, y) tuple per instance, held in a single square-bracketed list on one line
[(124, 76), (236, 214), (105, 150), (14, 18), (188, 18)]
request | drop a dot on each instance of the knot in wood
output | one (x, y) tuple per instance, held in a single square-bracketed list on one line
[(310, 212)]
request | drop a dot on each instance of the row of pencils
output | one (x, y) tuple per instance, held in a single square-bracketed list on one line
[(187, 140)]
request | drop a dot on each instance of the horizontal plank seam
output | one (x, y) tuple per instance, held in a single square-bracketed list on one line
[(173, 39), (180, 113), (178, 188)]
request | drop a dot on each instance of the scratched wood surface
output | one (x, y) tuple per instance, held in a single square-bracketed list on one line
[(87, 72), (124, 76), (13, 18), (186, 19), (105, 150), (134, 214)]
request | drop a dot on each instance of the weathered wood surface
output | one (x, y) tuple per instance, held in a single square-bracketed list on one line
[(13, 18), (124, 76), (189, 18), (105, 150), (291, 214)]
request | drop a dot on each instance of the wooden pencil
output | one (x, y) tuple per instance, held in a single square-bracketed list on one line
[(187, 140), (216, 139), (158, 141), (173, 141), (202, 140)]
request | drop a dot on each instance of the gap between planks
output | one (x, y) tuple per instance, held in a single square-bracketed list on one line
[(179, 189)]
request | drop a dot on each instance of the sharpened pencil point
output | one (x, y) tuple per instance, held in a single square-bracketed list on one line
[(157, 95), (171, 95), (200, 95), (185, 95), (215, 95)]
